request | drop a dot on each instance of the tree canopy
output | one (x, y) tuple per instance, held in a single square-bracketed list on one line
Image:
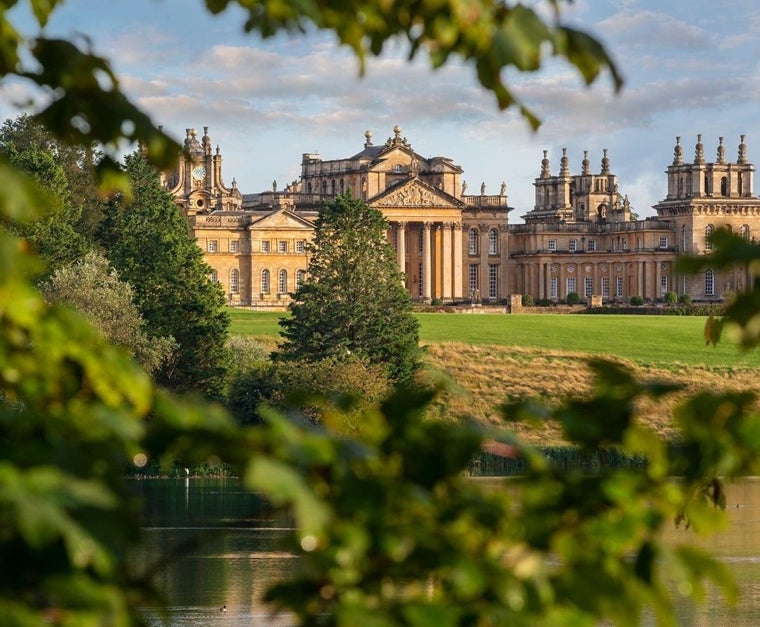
[(353, 302), (147, 240)]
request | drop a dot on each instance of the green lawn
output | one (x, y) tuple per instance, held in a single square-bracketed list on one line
[(656, 340)]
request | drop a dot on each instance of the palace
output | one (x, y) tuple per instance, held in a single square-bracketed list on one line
[(581, 235)]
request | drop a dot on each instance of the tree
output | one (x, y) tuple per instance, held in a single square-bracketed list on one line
[(353, 302), (147, 240), (92, 287)]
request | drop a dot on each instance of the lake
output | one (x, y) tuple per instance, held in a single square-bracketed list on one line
[(221, 546)]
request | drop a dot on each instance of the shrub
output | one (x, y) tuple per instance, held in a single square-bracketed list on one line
[(671, 298), (527, 300), (636, 301), (573, 298), (685, 299)]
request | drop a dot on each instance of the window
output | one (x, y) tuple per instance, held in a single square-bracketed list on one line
[(234, 246), (493, 280), (493, 242), (419, 283), (265, 282), (300, 278), (708, 232), (552, 245), (282, 282), (591, 245), (282, 246), (570, 284), (588, 286), (605, 287), (234, 281), (744, 232), (619, 287), (213, 276), (420, 244), (473, 277), (663, 284), (212, 246), (572, 245), (473, 242), (553, 287), (684, 238), (265, 247), (625, 244), (664, 241), (709, 282), (300, 246)]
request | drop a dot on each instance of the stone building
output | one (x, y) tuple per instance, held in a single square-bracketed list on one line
[(580, 236)]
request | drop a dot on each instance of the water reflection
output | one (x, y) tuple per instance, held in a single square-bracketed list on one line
[(232, 553)]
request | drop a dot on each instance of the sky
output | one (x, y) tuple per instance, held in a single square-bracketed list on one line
[(690, 66)]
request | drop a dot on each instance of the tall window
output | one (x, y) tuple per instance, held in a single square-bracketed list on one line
[(553, 287), (744, 232), (723, 186), (234, 246), (265, 246), (709, 282), (625, 243), (664, 241), (588, 286), (212, 247), (420, 244), (619, 287), (592, 245), (684, 240), (473, 277), (572, 245), (473, 242), (282, 282), (234, 281), (552, 245), (265, 286), (570, 284), (419, 283), (663, 284), (493, 242), (605, 287), (300, 247), (708, 232), (300, 277), (213, 276), (282, 246), (493, 280)]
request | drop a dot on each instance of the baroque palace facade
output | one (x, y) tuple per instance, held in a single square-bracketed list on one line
[(581, 235)]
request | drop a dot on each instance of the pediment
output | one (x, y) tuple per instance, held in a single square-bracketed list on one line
[(413, 193), (282, 219)]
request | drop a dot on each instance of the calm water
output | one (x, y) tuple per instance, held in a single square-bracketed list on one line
[(231, 553)]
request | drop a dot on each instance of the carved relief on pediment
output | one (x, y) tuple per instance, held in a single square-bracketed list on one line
[(409, 196)]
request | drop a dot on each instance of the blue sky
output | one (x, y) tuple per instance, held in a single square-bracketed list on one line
[(690, 66)]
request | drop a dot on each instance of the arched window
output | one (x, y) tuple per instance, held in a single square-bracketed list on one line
[(265, 282), (723, 186), (473, 242), (234, 281), (342, 186), (744, 232), (282, 282), (333, 187), (308, 187), (708, 232), (493, 242), (708, 189), (324, 187), (300, 277), (709, 282), (213, 276)]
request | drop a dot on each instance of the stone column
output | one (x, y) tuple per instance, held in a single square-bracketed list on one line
[(459, 290), (640, 280), (401, 252), (426, 266), (657, 276), (446, 261)]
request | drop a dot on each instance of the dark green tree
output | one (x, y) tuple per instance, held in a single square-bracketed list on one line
[(354, 303), (148, 241)]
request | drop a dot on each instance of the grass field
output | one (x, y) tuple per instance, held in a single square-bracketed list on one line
[(662, 341)]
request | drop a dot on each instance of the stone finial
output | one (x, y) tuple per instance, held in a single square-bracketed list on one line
[(721, 151), (368, 137), (742, 151), (699, 150), (564, 169), (585, 164), (545, 173), (605, 162), (678, 152), (396, 134)]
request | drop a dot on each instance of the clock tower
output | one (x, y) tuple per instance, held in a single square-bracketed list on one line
[(196, 181)]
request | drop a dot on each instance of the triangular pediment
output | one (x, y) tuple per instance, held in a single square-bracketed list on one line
[(413, 193), (282, 219)]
